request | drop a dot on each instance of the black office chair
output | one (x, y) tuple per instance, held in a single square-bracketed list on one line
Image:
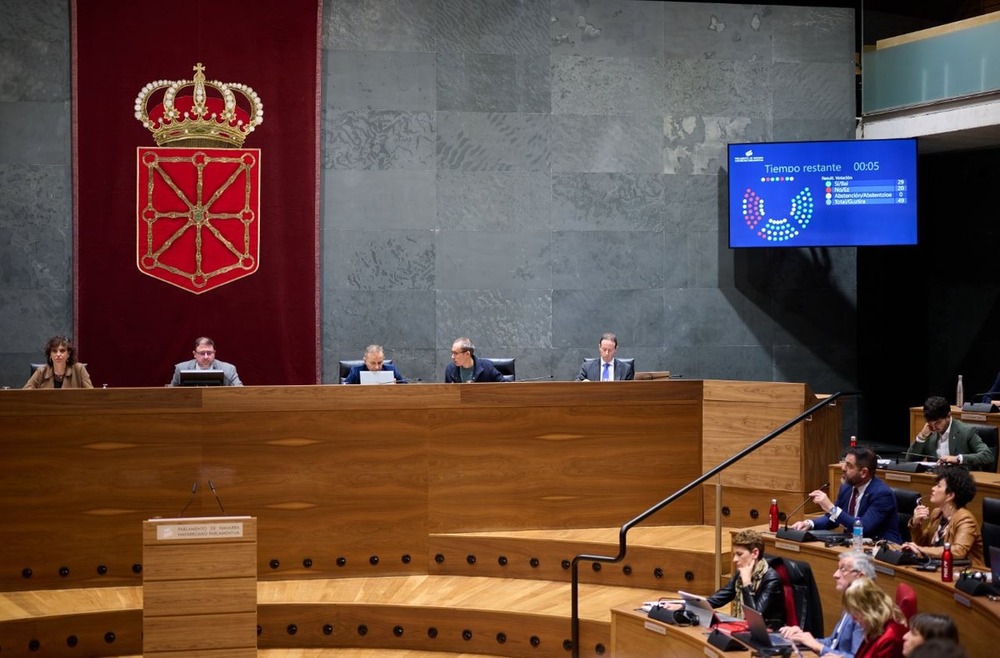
[(991, 526), (345, 367), (989, 435), (36, 366), (505, 367), (906, 502), (803, 606)]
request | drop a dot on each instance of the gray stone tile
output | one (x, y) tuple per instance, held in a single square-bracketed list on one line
[(493, 142), (46, 20), (402, 25), (704, 316), (492, 26), (476, 82), (677, 259), (813, 34), (741, 362), (718, 88), (480, 260), (495, 319), (379, 200), (396, 319), (35, 133), (30, 316), (36, 243), (813, 91), (494, 200), (579, 317), (607, 85), (798, 363), (796, 130), (606, 259), (34, 70), (614, 28), (379, 260), (606, 202), (378, 139), (695, 203), (372, 80), (630, 144), (715, 30), (698, 144)]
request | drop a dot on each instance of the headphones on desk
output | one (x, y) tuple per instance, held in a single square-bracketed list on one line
[(682, 617)]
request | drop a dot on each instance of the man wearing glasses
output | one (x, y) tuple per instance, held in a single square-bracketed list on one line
[(465, 367), (204, 359), (847, 634)]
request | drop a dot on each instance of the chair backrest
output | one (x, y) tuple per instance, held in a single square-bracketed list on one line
[(345, 367), (906, 599), (36, 366), (906, 502), (791, 614), (991, 525), (505, 366), (989, 435), (803, 606)]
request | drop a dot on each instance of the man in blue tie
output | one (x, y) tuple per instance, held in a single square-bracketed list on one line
[(847, 634), (607, 368)]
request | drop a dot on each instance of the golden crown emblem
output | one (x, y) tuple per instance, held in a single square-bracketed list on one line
[(196, 113)]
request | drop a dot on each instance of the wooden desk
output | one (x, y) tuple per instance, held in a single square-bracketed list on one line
[(635, 635), (977, 618), (987, 485)]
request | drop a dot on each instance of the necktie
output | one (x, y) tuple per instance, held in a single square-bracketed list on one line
[(853, 507), (605, 376)]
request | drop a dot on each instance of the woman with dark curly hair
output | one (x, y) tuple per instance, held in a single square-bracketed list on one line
[(61, 369), (949, 522)]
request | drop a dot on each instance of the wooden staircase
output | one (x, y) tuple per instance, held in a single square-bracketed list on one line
[(485, 594)]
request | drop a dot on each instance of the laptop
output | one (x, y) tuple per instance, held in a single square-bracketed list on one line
[(759, 638), (707, 615), (377, 377)]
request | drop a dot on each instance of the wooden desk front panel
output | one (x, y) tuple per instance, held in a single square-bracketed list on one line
[(359, 473), (634, 635)]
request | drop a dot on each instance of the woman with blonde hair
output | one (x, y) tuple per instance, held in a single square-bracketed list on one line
[(883, 623)]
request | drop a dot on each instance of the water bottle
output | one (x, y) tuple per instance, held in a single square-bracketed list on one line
[(858, 535), (772, 515), (946, 565), (959, 393)]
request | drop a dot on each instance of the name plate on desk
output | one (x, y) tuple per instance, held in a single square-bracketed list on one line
[(207, 530)]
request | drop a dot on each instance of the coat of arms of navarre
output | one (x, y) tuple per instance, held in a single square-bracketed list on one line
[(198, 191)]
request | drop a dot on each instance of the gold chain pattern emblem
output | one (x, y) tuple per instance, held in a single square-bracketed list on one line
[(192, 212)]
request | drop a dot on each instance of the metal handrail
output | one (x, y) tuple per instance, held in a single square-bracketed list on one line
[(622, 544)]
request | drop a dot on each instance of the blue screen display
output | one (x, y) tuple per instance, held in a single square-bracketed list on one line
[(823, 194)]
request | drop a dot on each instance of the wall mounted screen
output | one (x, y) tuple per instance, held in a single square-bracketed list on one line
[(823, 194)]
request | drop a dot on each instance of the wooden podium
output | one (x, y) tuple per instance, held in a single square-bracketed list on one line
[(199, 586)]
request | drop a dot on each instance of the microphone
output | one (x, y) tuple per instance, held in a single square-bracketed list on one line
[(535, 379), (798, 535), (212, 487), (194, 490)]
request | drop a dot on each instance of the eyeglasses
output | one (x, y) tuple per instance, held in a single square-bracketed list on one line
[(205, 353), (461, 351)]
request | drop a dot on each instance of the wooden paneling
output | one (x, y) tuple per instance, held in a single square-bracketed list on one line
[(344, 480)]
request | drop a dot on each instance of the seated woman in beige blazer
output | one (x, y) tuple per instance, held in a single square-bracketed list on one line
[(949, 522)]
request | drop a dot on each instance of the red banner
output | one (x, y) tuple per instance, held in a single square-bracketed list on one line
[(171, 245)]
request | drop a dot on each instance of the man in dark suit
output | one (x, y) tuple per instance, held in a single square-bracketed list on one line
[(606, 368), (373, 361), (948, 441), (466, 367), (862, 495)]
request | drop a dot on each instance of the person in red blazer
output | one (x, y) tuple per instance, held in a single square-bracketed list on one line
[(883, 623)]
